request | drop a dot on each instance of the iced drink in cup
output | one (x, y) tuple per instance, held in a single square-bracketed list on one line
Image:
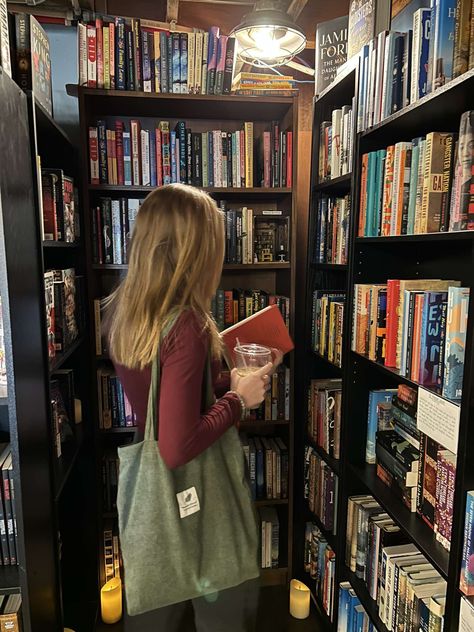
[(251, 357)]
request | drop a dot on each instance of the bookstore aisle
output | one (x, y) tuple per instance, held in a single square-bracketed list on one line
[(346, 185)]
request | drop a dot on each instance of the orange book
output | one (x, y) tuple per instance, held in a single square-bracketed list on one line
[(388, 191), (416, 344), (266, 328)]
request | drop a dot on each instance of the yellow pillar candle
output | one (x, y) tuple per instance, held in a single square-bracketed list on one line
[(111, 601), (299, 599)]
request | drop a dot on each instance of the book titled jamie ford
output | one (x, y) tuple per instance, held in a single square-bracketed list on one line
[(330, 50), (33, 61)]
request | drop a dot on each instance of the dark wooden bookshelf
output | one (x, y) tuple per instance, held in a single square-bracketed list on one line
[(327, 458), (274, 278), (324, 622), (9, 580), (332, 267), (324, 359), (339, 185), (61, 357), (374, 260)]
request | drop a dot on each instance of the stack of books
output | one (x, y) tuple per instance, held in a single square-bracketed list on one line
[(64, 309), (332, 236), (152, 153), (418, 470), (267, 461), (269, 537), (336, 142), (110, 469), (416, 326), (115, 411), (111, 554), (59, 206), (417, 187), (351, 613), (399, 68), (398, 577), (229, 307), (261, 84), (320, 563), (10, 612), (324, 415), (8, 530), (320, 489), (327, 324), (121, 54)]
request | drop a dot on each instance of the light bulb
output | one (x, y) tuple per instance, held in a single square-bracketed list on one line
[(265, 41)]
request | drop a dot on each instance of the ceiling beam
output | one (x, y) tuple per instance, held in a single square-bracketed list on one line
[(172, 8), (296, 7)]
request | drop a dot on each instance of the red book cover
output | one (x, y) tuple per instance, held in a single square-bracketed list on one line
[(159, 162), (266, 328), (242, 157), (112, 54), (416, 339), (266, 159), (49, 208), (91, 57), (94, 155), (119, 150), (100, 53), (228, 308), (393, 295), (289, 159), (113, 145)]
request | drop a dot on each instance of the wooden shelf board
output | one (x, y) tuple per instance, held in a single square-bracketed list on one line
[(324, 359), (114, 431), (239, 191), (227, 267), (329, 460), (341, 78), (268, 502), (9, 579), (461, 235), (262, 423), (335, 185), (60, 358), (274, 576), (61, 244), (333, 267), (64, 465), (370, 606), (324, 617), (417, 530)]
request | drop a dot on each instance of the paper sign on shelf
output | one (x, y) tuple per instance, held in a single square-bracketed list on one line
[(466, 616), (439, 419)]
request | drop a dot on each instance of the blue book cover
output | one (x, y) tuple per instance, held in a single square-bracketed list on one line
[(120, 53), (351, 614), (174, 169), (431, 337), (343, 607), (375, 398), (153, 179), (425, 49), (466, 583), (371, 169), (212, 58), (169, 69), (127, 159), (146, 62), (164, 61), (389, 57), (176, 64), (378, 192), (443, 36), (359, 619), (458, 305), (183, 66), (129, 48), (424, 615)]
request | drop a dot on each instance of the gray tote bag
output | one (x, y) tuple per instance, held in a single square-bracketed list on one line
[(187, 532)]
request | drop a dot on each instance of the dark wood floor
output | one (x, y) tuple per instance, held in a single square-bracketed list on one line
[(273, 616)]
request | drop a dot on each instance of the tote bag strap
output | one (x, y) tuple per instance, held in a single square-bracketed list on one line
[(207, 396)]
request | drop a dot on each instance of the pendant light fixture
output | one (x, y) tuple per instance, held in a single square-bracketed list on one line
[(267, 36)]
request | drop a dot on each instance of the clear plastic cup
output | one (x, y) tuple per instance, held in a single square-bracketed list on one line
[(251, 357)]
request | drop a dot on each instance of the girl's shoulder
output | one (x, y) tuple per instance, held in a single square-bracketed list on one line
[(188, 329)]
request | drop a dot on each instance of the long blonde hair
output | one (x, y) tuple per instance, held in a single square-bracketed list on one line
[(175, 263)]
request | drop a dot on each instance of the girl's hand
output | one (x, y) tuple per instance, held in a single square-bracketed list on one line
[(278, 358), (252, 387)]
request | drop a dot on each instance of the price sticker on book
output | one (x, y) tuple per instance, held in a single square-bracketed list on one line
[(439, 419)]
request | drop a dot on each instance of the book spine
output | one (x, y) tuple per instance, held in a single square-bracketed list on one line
[(99, 53), (249, 154), (164, 62), (81, 56), (176, 64), (135, 136), (146, 61), (120, 153), (106, 56), (130, 66), (137, 55), (183, 65), (120, 54), (91, 56), (94, 155)]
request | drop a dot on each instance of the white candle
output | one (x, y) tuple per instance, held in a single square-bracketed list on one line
[(111, 601), (299, 599)]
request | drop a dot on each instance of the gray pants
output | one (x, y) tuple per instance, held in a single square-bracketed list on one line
[(232, 610)]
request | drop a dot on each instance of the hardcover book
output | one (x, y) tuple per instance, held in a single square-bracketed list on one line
[(330, 50), (5, 61), (33, 62), (456, 329)]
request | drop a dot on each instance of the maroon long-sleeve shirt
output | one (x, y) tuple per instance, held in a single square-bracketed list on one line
[(183, 432)]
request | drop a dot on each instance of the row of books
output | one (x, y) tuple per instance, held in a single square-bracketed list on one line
[(269, 537), (121, 54), (332, 230), (111, 554), (336, 141), (398, 68), (59, 206), (417, 469), (63, 408), (417, 187), (115, 411), (152, 153), (229, 307), (110, 468), (320, 563), (327, 324), (320, 489), (351, 613), (398, 577), (417, 326), (256, 236), (64, 294), (113, 220), (8, 525), (267, 462), (324, 415)]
